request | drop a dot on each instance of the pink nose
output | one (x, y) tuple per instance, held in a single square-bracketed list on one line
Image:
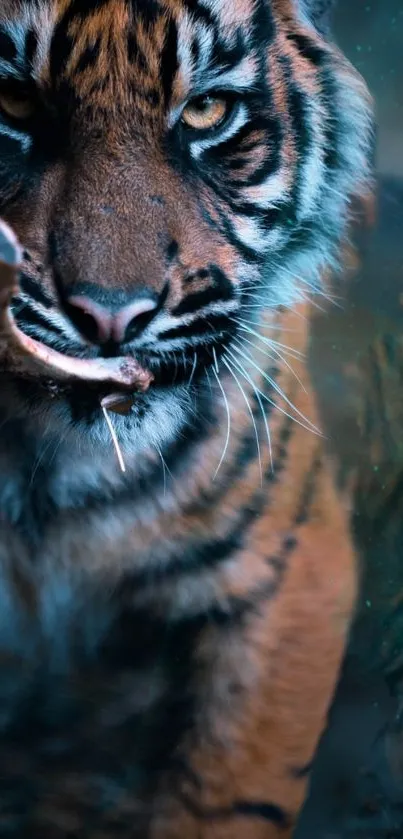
[(100, 325)]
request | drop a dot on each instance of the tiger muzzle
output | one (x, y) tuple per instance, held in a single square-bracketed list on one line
[(25, 356)]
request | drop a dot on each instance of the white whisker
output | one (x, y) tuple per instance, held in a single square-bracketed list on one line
[(227, 408), (165, 469), (114, 438), (307, 424), (270, 342), (248, 378), (208, 379), (40, 457), (215, 360), (273, 358), (193, 370), (274, 327), (229, 367)]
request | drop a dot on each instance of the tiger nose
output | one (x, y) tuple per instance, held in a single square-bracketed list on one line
[(102, 324)]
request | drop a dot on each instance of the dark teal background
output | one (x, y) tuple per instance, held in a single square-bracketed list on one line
[(371, 34), (357, 781)]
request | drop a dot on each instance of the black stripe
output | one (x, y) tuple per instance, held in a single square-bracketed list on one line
[(82, 8), (31, 45), (320, 59), (278, 561), (308, 48), (202, 326), (195, 50), (221, 289), (303, 239), (270, 217), (200, 12), (290, 542), (195, 276), (224, 56), (236, 164), (308, 491), (245, 251), (301, 772), (8, 50), (135, 54), (28, 318), (200, 299), (238, 609), (264, 27), (263, 810), (333, 130), (298, 108), (62, 42), (271, 125), (11, 153), (169, 60), (238, 142), (207, 554), (213, 552), (60, 49), (238, 206), (89, 56), (172, 250), (269, 167), (31, 287)]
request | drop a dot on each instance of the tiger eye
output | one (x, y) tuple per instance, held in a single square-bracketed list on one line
[(204, 113), (16, 107)]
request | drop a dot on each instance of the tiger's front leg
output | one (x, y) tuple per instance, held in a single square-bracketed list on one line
[(265, 679)]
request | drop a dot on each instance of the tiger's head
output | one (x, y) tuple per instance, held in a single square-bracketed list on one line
[(167, 165)]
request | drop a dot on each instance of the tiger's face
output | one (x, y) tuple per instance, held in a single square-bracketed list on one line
[(169, 167)]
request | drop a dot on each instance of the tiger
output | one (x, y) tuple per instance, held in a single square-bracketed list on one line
[(178, 181)]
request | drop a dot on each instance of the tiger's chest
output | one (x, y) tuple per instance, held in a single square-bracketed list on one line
[(94, 695)]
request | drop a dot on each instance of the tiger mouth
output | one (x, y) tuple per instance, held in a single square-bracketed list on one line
[(124, 372), (23, 355)]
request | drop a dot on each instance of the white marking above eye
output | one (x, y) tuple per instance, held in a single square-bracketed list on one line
[(241, 77)]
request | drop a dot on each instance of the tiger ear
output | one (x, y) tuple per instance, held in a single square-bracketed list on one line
[(320, 13)]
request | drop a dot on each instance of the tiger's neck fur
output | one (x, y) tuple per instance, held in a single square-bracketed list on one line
[(170, 532)]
